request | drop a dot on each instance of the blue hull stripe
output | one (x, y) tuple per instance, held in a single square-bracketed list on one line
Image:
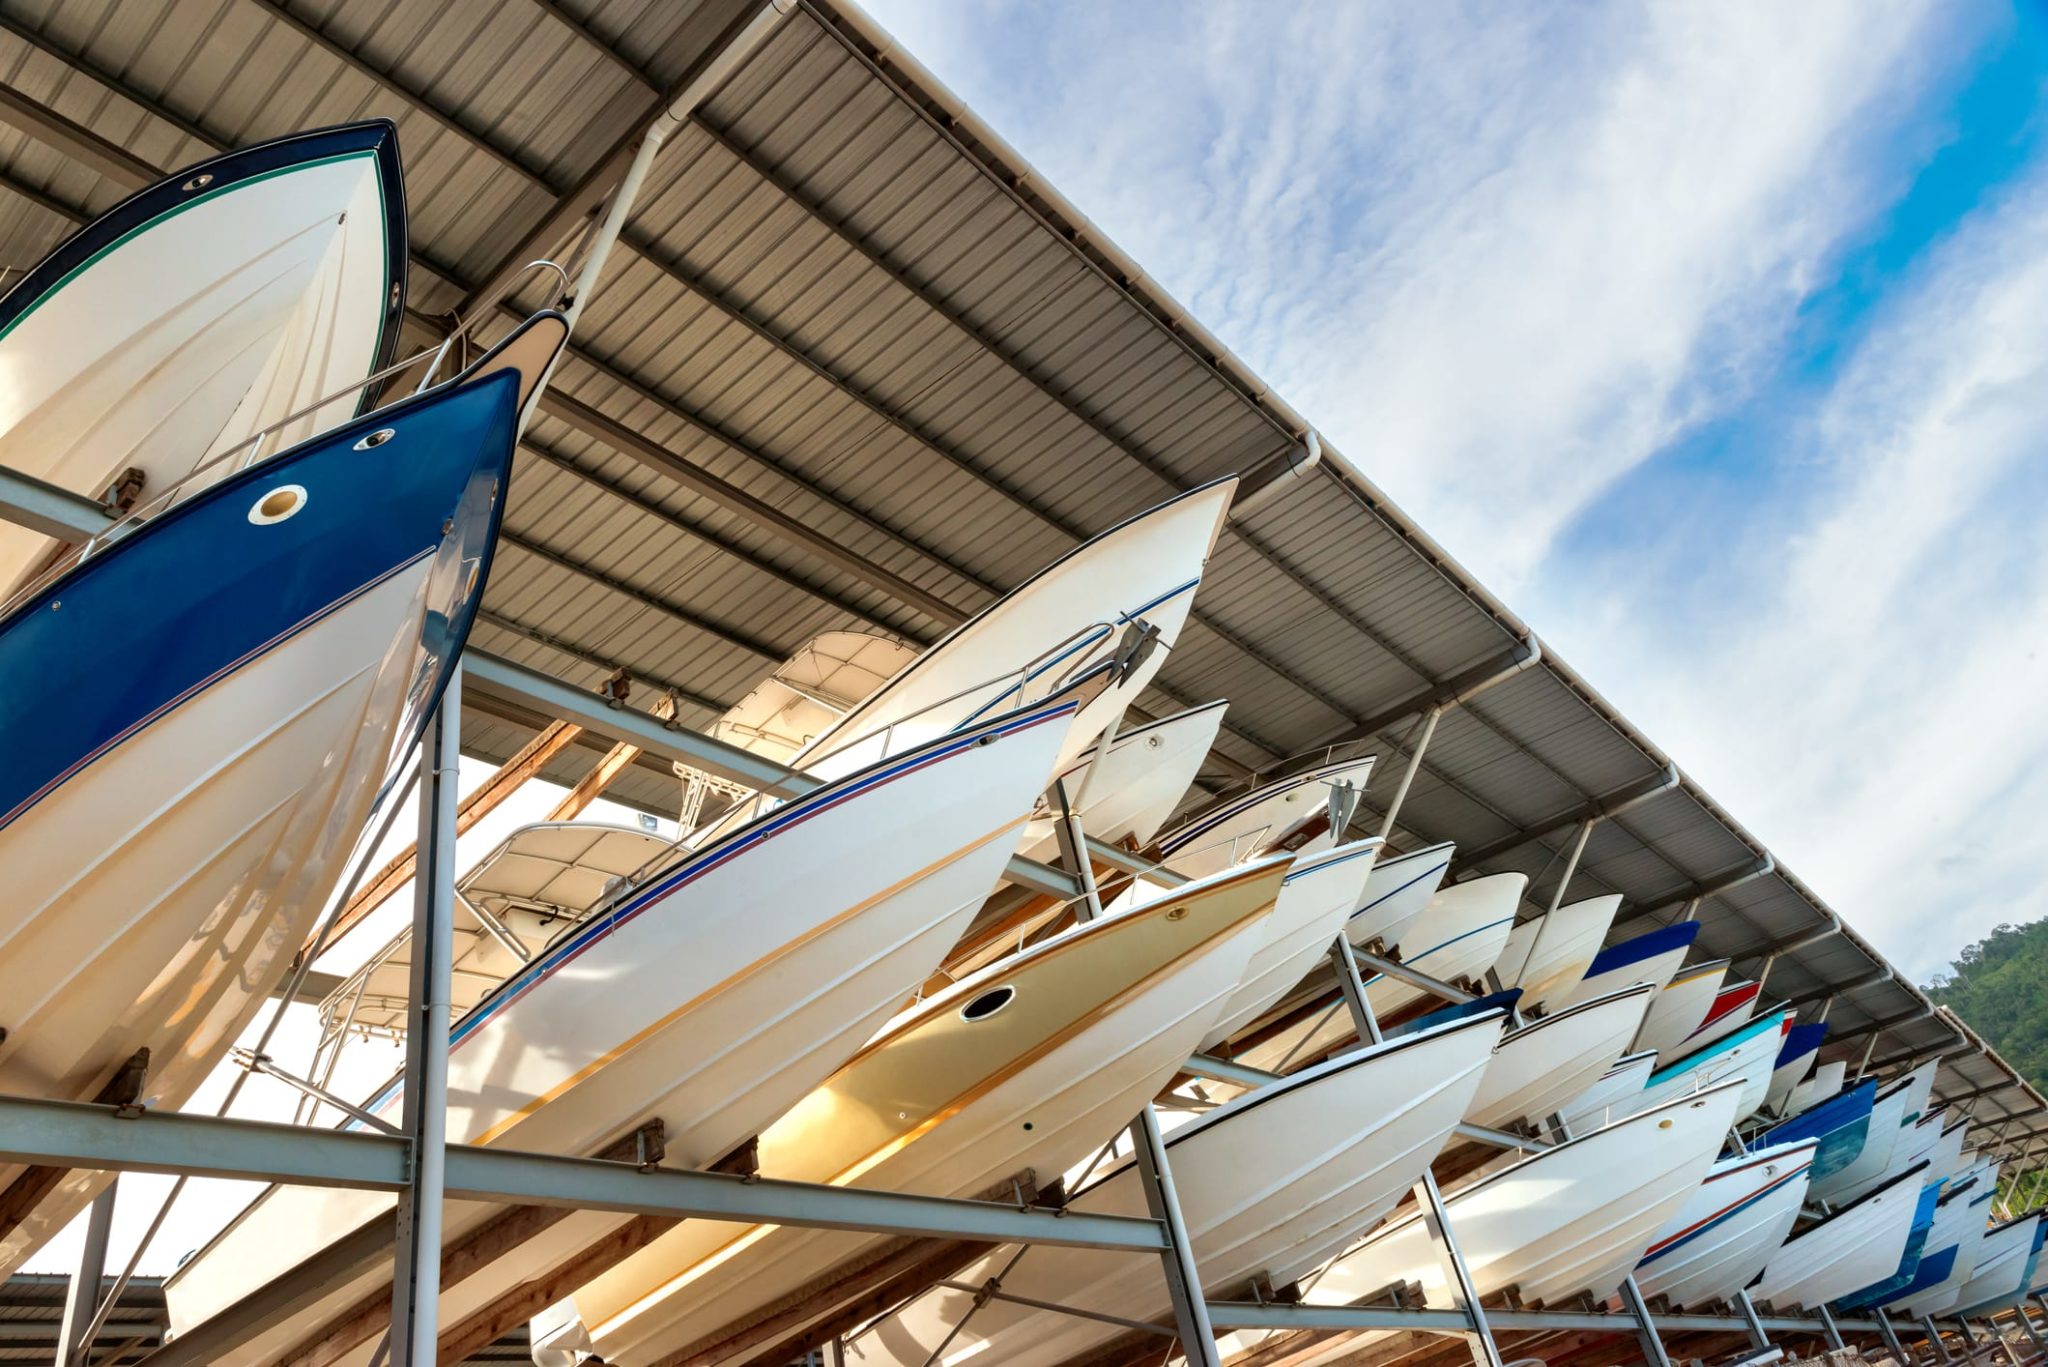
[(1662, 940)]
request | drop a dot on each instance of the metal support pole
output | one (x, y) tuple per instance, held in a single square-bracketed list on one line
[(1183, 1282), (1934, 1339), (1479, 1337), (1864, 1066), (1479, 1334), (1345, 962), (1830, 1328), (1891, 1336), (2027, 1323), (1646, 1328), (1074, 853), (1969, 1339), (416, 1280), (1564, 880), (1752, 1322), (1429, 720), (84, 1293)]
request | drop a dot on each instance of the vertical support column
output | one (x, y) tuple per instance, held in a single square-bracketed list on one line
[(1863, 1065), (416, 1280), (83, 1296), (1183, 1282), (1646, 1328), (1833, 1330), (1934, 1339), (1891, 1336), (1479, 1335), (1753, 1323), (1969, 1339), (1074, 851)]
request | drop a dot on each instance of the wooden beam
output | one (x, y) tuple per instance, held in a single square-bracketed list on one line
[(27, 1191), (615, 762), (479, 1248), (534, 756)]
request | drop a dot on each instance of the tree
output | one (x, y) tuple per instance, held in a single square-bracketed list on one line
[(2000, 986)]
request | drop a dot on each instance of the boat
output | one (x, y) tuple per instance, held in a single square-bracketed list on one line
[(1270, 1180), (1457, 937), (219, 303), (822, 680), (712, 993), (1648, 958), (1795, 1061), (1545, 1064), (1546, 957), (171, 833), (1567, 1221), (1731, 1010), (1396, 894), (1027, 1067), (2003, 1276), (1134, 791), (514, 901), (1840, 1124), (1895, 1107), (1124, 596), (1609, 1097), (1852, 1247), (1743, 1055), (1948, 1266), (1318, 894), (1681, 1005), (1916, 1146), (1729, 1228), (1945, 1159), (1827, 1080), (1292, 812), (1924, 1213)]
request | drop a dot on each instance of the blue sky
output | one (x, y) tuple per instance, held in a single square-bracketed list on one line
[(1715, 338)]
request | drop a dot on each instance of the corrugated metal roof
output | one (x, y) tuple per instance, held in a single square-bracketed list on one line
[(843, 301)]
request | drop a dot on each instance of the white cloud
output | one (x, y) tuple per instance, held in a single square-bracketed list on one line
[(1492, 252), (1868, 698)]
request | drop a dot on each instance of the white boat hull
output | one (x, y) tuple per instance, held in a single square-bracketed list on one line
[(1679, 1008), (1320, 891), (1608, 1099), (1860, 1244), (1131, 794), (1045, 1111), (1729, 1227), (1571, 1220), (1464, 928), (712, 998), (1542, 1066), (1239, 826), (1397, 894), (1273, 1179), (217, 314), (1546, 957)]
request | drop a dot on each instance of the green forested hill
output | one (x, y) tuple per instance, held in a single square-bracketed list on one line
[(2000, 986)]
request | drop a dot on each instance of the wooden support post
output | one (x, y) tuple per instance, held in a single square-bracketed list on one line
[(615, 762)]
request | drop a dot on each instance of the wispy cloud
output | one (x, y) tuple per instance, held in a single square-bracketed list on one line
[(1592, 292)]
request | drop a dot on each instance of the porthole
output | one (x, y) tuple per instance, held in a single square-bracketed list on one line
[(988, 1003), (198, 182), (375, 439), (280, 503), (1663, 1124), (1177, 914)]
